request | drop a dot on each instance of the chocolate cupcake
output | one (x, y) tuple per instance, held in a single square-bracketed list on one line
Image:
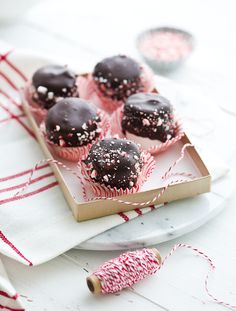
[(71, 126), (53, 82), (116, 163), (118, 77), (148, 119), (113, 80), (116, 167), (49, 84)]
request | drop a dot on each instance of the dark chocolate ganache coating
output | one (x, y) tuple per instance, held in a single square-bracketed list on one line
[(149, 115), (72, 122), (118, 77), (115, 163), (52, 82)]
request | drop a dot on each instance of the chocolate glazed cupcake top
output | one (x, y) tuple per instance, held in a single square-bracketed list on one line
[(115, 163), (51, 82), (149, 115), (72, 122), (118, 77)]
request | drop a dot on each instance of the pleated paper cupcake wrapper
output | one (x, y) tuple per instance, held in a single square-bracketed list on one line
[(101, 191), (76, 154), (38, 113), (116, 130), (88, 89)]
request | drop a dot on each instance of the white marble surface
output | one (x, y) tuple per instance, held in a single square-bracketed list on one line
[(166, 223), (74, 29)]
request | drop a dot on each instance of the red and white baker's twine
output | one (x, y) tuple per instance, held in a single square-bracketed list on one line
[(126, 270), (131, 267), (212, 268), (167, 173)]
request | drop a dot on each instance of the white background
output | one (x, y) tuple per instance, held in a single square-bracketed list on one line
[(86, 31)]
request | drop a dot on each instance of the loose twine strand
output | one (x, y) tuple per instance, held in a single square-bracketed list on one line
[(212, 268), (167, 175)]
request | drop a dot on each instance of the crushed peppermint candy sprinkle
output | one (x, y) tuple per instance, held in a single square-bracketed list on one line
[(69, 129), (93, 174), (42, 89), (115, 162), (84, 126), (165, 45), (105, 177), (146, 122), (148, 115), (50, 95), (62, 142)]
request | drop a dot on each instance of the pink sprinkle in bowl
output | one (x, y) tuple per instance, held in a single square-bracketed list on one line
[(165, 49)]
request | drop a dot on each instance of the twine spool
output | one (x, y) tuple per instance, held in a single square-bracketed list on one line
[(131, 267), (124, 271)]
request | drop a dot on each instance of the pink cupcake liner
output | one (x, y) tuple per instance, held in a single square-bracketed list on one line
[(116, 130), (88, 89), (76, 154), (38, 113), (101, 191), (148, 79)]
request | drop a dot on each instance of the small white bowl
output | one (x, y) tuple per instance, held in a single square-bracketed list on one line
[(162, 66)]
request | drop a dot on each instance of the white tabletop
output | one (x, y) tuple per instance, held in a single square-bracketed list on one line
[(86, 31)]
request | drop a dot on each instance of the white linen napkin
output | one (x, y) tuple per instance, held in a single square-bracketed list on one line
[(9, 299), (37, 225)]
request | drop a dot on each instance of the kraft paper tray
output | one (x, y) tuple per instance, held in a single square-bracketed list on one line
[(88, 210)]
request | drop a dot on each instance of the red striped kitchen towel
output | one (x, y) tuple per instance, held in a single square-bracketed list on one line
[(37, 225)]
